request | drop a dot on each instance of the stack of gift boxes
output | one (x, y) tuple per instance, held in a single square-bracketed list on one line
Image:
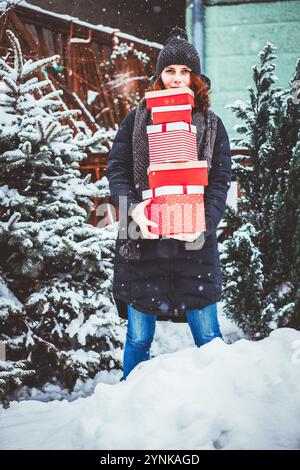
[(176, 177)]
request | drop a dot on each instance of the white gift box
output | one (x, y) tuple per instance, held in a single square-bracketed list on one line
[(172, 142)]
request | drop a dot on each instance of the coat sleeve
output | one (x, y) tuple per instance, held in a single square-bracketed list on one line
[(218, 181), (119, 169)]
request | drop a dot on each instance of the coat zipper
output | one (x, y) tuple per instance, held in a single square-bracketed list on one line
[(172, 287)]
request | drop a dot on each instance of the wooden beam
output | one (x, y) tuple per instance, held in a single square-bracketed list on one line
[(106, 72), (63, 25), (91, 75), (42, 42), (19, 26), (104, 94), (74, 69)]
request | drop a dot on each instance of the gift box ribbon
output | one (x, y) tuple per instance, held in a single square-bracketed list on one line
[(164, 190), (164, 127), (172, 127)]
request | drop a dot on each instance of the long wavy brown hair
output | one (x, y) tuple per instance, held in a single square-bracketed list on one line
[(199, 87)]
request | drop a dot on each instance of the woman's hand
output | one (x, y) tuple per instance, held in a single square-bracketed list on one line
[(138, 215)]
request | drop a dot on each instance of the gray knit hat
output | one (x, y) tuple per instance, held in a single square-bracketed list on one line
[(177, 50)]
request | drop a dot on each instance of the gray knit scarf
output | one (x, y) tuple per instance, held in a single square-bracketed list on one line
[(206, 124)]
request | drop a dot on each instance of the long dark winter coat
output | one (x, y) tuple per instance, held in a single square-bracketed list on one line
[(168, 280)]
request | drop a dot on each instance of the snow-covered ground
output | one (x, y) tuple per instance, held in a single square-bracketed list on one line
[(169, 337), (224, 395)]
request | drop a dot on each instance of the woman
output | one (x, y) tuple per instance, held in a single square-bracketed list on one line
[(160, 278)]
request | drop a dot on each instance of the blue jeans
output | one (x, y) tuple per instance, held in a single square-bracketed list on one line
[(203, 323)]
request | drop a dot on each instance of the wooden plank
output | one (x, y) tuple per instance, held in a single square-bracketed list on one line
[(67, 57), (64, 63), (91, 75), (58, 48), (57, 43), (105, 117), (113, 105), (73, 68), (5, 44), (19, 26), (104, 94), (114, 102), (79, 72), (84, 72), (42, 42), (3, 22)]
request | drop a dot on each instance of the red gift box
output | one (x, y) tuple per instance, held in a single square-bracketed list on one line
[(172, 142), (164, 114), (185, 173), (177, 213), (169, 97)]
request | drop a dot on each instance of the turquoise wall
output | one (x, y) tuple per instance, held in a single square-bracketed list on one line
[(234, 35)]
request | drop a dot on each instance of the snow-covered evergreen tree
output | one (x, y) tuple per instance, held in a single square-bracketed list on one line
[(267, 295), (58, 267), (12, 335)]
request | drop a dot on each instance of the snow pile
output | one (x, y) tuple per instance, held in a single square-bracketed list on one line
[(169, 337), (244, 395)]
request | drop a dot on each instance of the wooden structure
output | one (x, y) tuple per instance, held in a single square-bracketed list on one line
[(92, 73)]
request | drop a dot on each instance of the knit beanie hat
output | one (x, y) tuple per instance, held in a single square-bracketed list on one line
[(178, 51)]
